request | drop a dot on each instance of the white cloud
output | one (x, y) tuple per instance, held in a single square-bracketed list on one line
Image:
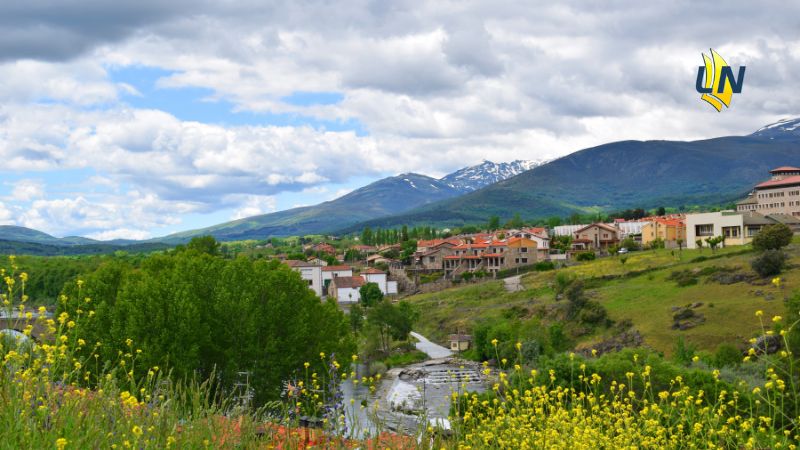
[(25, 190), (135, 211), (436, 86), (120, 233), (253, 205), (6, 216)]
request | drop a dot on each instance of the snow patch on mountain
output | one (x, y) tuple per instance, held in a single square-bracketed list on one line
[(781, 128), (475, 177)]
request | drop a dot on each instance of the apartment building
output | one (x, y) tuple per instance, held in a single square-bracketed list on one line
[(778, 195)]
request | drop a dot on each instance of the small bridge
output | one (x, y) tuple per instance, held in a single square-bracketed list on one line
[(17, 322)]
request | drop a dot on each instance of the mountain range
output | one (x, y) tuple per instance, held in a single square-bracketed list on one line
[(385, 197), (622, 175), (608, 177)]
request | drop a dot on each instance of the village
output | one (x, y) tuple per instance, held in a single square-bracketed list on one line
[(505, 252)]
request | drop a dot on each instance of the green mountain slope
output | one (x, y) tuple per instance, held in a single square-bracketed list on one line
[(382, 198), (617, 176)]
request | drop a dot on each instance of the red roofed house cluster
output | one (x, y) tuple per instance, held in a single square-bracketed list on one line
[(489, 252)]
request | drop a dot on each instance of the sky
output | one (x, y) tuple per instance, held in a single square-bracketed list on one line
[(136, 119)]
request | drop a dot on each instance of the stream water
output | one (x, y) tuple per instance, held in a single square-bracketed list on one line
[(407, 396)]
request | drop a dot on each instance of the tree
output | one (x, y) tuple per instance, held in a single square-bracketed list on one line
[(370, 295), (769, 263), (195, 314), (366, 236), (352, 255), (661, 211), (713, 242), (356, 317), (773, 237), (699, 243), (494, 223), (516, 221), (204, 244), (623, 260), (576, 297), (680, 245), (392, 321)]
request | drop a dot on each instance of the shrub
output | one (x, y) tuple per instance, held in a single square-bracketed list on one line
[(769, 263), (543, 266), (683, 277), (773, 237), (586, 256), (727, 355), (593, 313)]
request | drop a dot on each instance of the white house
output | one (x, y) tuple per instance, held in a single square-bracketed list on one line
[(722, 223), (312, 273), (566, 230), (346, 289), (380, 278), (331, 272)]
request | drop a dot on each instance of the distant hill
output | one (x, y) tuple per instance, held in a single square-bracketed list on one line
[(382, 198), (22, 234), (622, 175), (16, 240)]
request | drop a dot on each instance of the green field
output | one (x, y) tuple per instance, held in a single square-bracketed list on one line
[(638, 290)]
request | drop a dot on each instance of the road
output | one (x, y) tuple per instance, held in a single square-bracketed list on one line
[(514, 284), (435, 351)]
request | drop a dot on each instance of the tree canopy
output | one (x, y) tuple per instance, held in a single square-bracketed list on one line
[(197, 314)]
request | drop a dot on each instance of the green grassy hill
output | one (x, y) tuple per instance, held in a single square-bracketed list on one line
[(639, 291)]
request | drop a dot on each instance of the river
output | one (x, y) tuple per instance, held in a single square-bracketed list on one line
[(407, 397)]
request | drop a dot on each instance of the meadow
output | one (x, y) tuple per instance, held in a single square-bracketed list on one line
[(639, 291)]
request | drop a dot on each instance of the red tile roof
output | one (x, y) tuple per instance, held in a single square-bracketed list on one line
[(336, 268), (493, 255), (470, 246), (348, 282), (775, 183), (373, 271), (452, 257), (600, 225), (298, 263), (785, 169)]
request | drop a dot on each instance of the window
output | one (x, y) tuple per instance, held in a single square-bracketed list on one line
[(704, 230), (605, 235), (730, 232), (523, 250), (516, 261), (524, 260)]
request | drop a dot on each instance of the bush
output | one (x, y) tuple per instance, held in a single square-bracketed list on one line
[(593, 313), (727, 355), (683, 278), (586, 256), (769, 263), (773, 237), (543, 266)]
